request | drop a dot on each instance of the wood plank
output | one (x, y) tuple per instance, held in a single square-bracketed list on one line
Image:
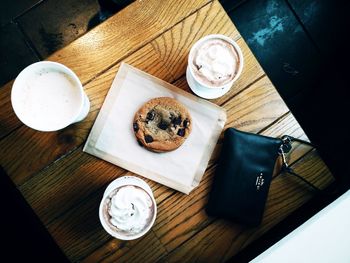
[(220, 240), (8, 119), (184, 35), (255, 107), (65, 176), (183, 84), (39, 149), (147, 249), (71, 218), (109, 43), (78, 231), (78, 234), (80, 173), (251, 73), (26, 140), (173, 210), (54, 145), (16, 52), (123, 34), (74, 243), (267, 108), (52, 25), (77, 173), (182, 216), (175, 44), (53, 174)]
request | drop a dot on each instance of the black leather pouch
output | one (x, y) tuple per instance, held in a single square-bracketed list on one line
[(243, 176)]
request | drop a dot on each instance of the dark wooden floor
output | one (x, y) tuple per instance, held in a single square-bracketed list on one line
[(298, 43)]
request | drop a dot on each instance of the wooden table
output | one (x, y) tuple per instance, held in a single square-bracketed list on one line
[(64, 185)]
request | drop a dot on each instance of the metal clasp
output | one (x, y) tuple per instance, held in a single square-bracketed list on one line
[(283, 154)]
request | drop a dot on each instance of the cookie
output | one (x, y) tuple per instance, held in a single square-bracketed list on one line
[(162, 124)]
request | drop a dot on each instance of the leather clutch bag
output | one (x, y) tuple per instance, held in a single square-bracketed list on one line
[(243, 176)]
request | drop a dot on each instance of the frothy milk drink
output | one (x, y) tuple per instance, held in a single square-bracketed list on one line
[(215, 62), (48, 97)]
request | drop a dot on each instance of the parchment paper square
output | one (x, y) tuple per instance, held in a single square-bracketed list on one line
[(113, 140)]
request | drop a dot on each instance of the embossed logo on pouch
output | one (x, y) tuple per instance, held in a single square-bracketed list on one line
[(259, 181)]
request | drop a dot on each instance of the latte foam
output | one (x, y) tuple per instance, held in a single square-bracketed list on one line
[(215, 62), (48, 100)]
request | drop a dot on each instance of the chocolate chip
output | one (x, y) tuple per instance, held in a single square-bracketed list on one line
[(140, 143), (185, 123), (150, 115), (148, 138), (163, 125), (181, 132), (176, 121), (135, 126)]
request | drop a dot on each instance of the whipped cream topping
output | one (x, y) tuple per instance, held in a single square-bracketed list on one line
[(130, 209), (215, 62)]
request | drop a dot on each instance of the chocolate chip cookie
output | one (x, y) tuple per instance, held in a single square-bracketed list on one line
[(162, 124)]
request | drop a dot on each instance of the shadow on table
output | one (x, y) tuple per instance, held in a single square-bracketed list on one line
[(107, 9), (23, 237)]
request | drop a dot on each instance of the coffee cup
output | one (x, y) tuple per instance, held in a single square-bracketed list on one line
[(48, 96), (215, 62), (128, 209)]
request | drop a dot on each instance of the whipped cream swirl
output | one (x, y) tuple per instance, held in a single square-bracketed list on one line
[(215, 62), (130, 209)]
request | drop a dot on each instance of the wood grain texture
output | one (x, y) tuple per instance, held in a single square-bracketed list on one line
[(36, 146), (80, 172), (147, 249), (64, 186), (74, 242), (58, 185), (109, 43), (175, 44), (66, 175), (187, 32), (182, 216), (266, 98), (39, 149), (220, 240), (123, 34), (78, 231), (8, 119), (255, 107), (251, 73)]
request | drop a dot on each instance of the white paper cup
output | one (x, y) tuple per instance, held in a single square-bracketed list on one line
[(29, 74), (120, 182), (199, 87)]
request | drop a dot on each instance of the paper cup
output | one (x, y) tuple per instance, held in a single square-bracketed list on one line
[(28, 78), (199, 87), (118, 183)]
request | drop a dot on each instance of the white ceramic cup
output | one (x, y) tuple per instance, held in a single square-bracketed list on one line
[(197, 86), (120, 182), (31, 72)]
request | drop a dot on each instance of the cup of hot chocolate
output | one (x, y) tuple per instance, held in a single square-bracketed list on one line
[(215, 62), (48, 96), (128, 209)]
